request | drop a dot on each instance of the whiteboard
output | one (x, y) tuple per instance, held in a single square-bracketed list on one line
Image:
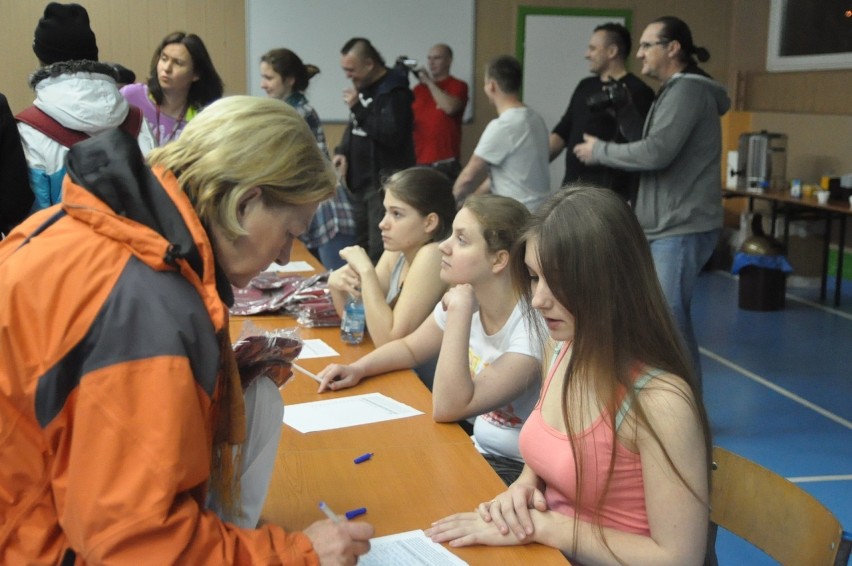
[(317, 29), (552, 48)]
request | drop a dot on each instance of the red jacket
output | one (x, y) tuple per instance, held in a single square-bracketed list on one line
[(109, 362)]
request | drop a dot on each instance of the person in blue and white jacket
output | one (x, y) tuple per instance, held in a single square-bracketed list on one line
[(75, 90)]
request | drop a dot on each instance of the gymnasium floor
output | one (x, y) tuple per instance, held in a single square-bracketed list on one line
[(778, 390)]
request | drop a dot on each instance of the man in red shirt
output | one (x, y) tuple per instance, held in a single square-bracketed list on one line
[(439, 103)]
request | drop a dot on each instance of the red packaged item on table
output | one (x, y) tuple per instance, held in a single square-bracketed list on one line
[(311, 303), (266, 353), (267, 292)]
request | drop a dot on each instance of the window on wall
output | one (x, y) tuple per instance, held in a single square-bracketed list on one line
[(809, 35)]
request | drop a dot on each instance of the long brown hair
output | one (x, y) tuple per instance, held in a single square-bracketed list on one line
[(597, 263)]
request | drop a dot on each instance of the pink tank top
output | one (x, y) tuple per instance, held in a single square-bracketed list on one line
[(548, 452)]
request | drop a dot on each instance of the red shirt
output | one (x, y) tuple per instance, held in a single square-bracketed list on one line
[(437, 135)]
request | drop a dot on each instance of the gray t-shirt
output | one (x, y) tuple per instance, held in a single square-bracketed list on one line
[(515, 145)]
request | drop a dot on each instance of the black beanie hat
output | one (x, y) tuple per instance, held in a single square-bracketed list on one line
[(63, 34)]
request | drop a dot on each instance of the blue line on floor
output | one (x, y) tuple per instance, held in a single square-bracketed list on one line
[(780, 390), (821, 307), (813, 479)]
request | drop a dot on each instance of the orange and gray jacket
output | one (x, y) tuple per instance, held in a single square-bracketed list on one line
[(109, 361)]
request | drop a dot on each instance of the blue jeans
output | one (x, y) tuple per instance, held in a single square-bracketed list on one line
[(678, 261)]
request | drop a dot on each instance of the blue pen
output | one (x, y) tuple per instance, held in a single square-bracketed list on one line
[(363, 457), (356, 512)]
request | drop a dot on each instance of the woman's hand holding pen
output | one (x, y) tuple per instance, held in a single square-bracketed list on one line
[(336, 376), (340, 543)]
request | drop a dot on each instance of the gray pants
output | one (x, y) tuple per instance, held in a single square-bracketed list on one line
[(264, 418)]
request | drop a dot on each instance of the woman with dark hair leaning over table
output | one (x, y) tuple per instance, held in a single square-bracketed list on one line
[(617, 449), (121, 406), (488, 363)]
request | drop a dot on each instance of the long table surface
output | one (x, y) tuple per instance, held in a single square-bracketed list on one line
[(421, 470), (835, 206)]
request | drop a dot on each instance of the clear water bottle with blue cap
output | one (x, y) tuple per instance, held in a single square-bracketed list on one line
[(354, 321)]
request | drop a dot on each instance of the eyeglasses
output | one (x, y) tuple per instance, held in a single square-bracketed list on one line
[(644, 46)]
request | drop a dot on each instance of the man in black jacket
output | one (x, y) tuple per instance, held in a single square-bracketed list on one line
[(378, 140), (614, 115)]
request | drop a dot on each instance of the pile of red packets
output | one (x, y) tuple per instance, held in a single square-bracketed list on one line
[(307, 299)]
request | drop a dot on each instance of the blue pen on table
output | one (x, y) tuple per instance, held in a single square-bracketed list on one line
[(363, 457), (328, 512), (356, 512)]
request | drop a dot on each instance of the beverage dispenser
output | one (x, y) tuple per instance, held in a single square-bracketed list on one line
[(762, 163)]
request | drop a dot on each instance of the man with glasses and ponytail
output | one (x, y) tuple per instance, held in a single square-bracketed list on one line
[(679, 202)]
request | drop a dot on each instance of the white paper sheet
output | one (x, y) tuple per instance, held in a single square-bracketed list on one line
[(316, 348), (413, 548), (346, 411), (292, 267)]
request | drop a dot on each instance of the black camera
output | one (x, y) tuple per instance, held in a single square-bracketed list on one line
[(404, 64), (612, 95)]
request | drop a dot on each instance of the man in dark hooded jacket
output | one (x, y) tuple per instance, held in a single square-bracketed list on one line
[(378, 141)]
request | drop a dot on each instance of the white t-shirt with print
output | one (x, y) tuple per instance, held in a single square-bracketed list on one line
[(497, 432)]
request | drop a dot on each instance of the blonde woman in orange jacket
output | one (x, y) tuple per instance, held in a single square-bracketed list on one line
[(120, 403)]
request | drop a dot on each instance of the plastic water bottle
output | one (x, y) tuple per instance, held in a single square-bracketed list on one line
[(354, 321), (796, 188)]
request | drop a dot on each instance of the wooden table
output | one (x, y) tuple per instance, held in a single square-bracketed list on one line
[(782, 202), (421, 470)]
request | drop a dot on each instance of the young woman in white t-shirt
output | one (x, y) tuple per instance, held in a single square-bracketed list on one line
[(488, 362)]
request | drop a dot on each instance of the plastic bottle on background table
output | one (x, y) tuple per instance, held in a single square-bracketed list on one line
[(354, 321), (796, 188)]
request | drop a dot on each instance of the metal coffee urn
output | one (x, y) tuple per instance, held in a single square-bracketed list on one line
[(762, 161)]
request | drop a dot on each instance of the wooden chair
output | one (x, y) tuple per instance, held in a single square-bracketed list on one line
[(773, 514)]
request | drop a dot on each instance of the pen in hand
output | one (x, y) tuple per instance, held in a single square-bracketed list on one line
[(328, 512)]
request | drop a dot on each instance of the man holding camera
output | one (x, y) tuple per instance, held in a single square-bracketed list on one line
[(679, 202), (439, 103), (611, 105)]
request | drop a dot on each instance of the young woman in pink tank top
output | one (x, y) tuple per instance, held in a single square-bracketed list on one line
[(617, 450)]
